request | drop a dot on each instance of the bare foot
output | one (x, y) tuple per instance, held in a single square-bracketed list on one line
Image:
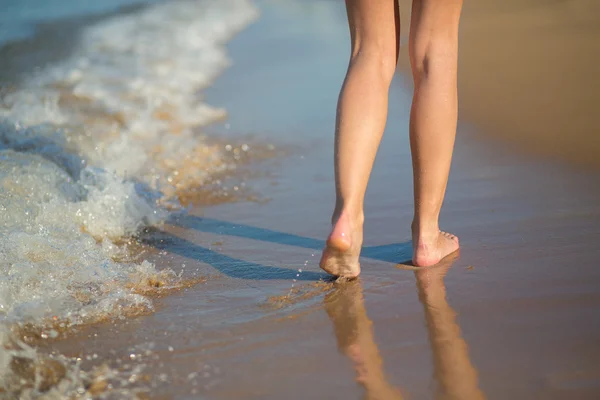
[(430, 250), (342, 250)]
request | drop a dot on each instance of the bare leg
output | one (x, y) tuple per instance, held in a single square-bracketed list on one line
[(433, 49), (361, 116)]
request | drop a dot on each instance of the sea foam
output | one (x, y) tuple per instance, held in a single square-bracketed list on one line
[(90, 148)]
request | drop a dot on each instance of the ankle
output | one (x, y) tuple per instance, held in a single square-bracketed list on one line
[(424, 231), (354, 215)]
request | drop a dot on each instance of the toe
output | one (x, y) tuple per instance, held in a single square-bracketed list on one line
[(450, 236)]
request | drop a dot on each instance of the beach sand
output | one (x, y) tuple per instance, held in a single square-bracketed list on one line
[(529, 75), (514, 317)]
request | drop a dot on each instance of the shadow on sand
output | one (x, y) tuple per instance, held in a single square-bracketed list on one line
[(237, 268)]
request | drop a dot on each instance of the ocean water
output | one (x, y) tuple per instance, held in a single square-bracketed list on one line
[(94, 147), (19, 19)]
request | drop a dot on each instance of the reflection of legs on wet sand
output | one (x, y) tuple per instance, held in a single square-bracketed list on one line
[(456, 376), (454, 372), (354, 334)]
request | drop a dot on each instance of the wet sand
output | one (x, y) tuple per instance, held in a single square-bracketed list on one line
[(514, 317)]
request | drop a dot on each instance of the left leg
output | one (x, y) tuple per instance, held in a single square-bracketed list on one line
[(361, 116)]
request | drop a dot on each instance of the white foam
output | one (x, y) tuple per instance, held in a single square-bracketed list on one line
[(87, 148), (47, 262)]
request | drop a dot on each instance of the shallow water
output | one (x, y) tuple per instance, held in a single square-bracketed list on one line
[(514, 317), (21, 18)]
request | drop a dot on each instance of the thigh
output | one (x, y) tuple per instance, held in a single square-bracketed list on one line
[(374, 25)]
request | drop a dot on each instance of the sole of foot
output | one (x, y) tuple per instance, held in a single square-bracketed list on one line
[(341, 254), (429, 252)]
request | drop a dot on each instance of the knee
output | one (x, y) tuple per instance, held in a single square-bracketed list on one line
[(380, 60), (433, 54), (433, 43)]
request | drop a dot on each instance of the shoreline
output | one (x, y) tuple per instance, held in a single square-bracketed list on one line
[(90, 141), (225, 339)]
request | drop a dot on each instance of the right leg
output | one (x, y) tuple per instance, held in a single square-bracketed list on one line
[(433, 49), (361, 116)]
